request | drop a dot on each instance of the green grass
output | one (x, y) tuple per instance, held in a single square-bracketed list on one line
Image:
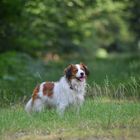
[(95, 116), (111, 109), (20, 73)]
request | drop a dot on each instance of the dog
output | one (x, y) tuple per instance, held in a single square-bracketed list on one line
[(69, 90)]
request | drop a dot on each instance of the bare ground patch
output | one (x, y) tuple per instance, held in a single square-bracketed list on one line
[(121, 134)]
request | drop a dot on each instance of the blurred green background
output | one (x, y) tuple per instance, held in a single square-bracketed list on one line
[(39, 38)]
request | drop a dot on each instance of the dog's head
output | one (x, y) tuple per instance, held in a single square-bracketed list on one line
[(77, 71)]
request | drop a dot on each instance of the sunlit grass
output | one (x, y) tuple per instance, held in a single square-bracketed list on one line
[(121, 91), (98, 114)]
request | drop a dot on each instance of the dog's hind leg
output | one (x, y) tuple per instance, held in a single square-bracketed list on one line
[(34, 105), (38, 105), (29, 105)]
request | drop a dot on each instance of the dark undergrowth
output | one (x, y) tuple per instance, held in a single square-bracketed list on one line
[(117, 76)]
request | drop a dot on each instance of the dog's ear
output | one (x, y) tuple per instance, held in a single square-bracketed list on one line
[(85, 68), (68, 71)]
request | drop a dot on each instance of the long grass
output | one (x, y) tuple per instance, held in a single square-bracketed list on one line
[(117, 76), (95, 115), (128, 90)]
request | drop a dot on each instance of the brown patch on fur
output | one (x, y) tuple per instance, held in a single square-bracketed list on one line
[(71, 71), (48, 89), (35, 92), (74, 70), (84, 67)]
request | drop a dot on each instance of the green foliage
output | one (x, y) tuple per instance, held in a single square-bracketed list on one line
[(116, 77), (10, 22), (17, 70), (134, 22), (134, 8), (63, 26)]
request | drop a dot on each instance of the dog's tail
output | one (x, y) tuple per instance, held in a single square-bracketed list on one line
[(29, 106)]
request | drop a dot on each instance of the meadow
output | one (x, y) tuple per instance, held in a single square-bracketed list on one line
[(111, 110)]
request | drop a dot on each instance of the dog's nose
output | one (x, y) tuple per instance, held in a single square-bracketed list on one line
[(82, 74)]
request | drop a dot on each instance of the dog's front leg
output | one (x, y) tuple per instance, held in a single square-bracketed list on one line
[(79, 103), (61, 108)]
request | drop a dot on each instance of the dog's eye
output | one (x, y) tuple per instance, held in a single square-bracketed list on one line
[(75, 70)]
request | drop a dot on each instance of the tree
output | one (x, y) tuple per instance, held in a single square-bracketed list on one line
[(10, 19), (134, 19)]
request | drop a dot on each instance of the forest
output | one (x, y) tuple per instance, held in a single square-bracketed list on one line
[(64, 26)]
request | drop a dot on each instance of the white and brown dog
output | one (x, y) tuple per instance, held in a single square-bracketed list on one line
[(69, 90)]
